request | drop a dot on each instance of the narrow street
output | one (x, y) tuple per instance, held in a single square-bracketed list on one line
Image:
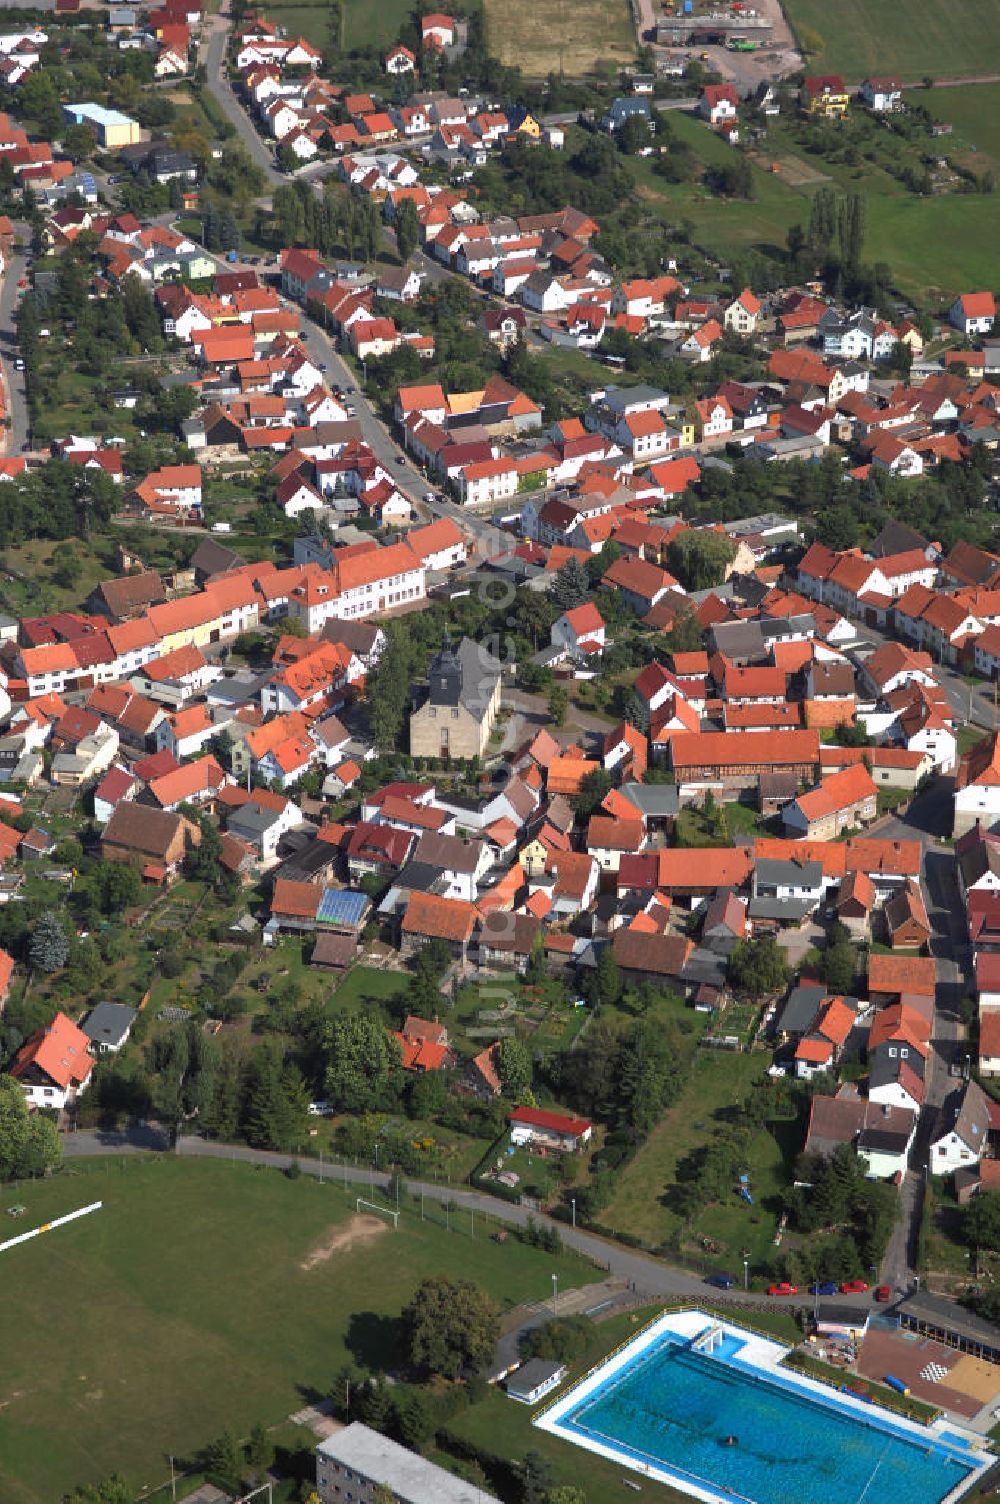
[(13, 379), (644, 1274)]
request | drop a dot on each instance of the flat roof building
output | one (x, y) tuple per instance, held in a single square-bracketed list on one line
[(356, 1461)]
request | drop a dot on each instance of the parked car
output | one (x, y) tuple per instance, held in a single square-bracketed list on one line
[(854, 1287), (19, 364), (720, 1281), (824, 1287), (883, 1294), (320, 1110), (783, 1288)]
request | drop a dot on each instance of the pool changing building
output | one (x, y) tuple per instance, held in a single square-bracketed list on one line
[(352, 1463)]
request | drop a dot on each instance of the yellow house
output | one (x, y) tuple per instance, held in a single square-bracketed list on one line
[(529, 126), (533, 857), (825, 94)]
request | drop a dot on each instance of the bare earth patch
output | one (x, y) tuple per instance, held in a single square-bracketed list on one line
[(550, 36), (359, 1231)]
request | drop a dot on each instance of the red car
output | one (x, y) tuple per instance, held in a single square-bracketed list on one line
[(883, 1294), (853, 1287), (784, 1288)]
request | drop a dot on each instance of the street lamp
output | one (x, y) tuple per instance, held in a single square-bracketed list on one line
[(746, 1274), (555, 1294), (572, 1202)]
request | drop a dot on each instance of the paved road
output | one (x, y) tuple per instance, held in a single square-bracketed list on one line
[(218, 84), (645, 1275), (14, 380)]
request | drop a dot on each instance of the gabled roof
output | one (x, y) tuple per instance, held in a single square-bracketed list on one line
[(59, 1051)]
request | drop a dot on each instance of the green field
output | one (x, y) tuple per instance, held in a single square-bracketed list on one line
[(974, 111), (364, 25), (960, 39), (935, 247), (641, 1206), (184, 1307)]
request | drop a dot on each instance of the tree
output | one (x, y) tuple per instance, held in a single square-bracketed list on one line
[(535, 1478), (48, 949), (112, 1490), (259, 1450), (362, 1059), (837, 963), (981, 1221), (79, 142), (449, 1325), (118, 886), (566, 1493), (758, 966), (222, 1462), (29, 1142), (571, 586), (514, 1069), (700, 557), (609, 978), (594, 789), (407, 229), (558, 704)]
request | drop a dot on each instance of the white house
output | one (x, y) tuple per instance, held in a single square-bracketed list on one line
[(488, 481), (54, 1065), (881, 95), (973, 312), (964, 1123), (742, 313), (583, 624), (400, 60)]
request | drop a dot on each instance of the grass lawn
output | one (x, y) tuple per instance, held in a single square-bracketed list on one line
[(183, 1307), (716, 1081), (312, 22), (934, 246), (952, 40), (549, 36), (974, 111), (32, 579)]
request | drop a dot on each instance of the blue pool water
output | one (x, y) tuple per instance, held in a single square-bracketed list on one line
[(673, 1408)]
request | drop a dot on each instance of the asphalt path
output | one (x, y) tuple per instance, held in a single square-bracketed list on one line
[(14, 380), (645, 1275)]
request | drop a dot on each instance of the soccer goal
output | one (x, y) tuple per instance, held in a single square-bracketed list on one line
[(385, 1211)]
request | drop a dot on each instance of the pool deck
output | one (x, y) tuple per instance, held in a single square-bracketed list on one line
[(758, 1356)]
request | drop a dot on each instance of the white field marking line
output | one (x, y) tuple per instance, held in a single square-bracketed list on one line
[(36, 1232)]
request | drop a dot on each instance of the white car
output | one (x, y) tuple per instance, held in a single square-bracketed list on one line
[(320, 1109)]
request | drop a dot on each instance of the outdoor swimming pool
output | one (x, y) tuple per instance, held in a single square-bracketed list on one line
[(724, 1424)]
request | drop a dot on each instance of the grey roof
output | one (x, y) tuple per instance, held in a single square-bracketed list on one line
[(251, 820), (772, 872), (800, 1009), (448, 853), (618, 398), (884, 1066), (936, 1311), (787, 626), (897, 538), (412, 1479), (703, 965), (464, 676), (109, 1023), (783, 910), (657, 801), (883, 1140), (967, 1113), (419, 877), (311, 861), (536, 1371), (739, 639), (211, 558)]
